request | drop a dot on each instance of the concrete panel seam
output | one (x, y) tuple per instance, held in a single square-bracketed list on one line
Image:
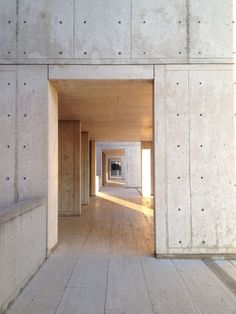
[(73, 43), (187, 29), (131, 29), (166, 170), (189, 163), (16, 192)]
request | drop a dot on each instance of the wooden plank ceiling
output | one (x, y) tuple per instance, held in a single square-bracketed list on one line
[(111, 110)]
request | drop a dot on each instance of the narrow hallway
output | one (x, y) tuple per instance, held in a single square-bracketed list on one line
[(104, 264)]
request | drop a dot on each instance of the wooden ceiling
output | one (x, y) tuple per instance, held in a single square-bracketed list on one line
[(111, 110), (114, 152)]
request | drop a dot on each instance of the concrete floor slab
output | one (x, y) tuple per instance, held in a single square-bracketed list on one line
[(104, 264)]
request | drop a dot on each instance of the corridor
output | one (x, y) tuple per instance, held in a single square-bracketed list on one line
[(104, 264)]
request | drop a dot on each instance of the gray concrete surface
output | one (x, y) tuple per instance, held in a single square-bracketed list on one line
[(22, 246), (186, 47)]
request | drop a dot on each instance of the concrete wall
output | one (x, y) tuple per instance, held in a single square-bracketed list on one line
[(195, 159), (24, 90), (24, 107), (131, 163), (194, 104), (22, 246), (119, 32)]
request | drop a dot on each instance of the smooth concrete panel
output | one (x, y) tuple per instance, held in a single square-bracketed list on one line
[(212, 149), (175, 91), (8, 18), (106, 72), (133, 165), (211, 90), (22, 247), (102, 29), (160, 169), (32, 131), (177, 133), (8, 134), (45, 29), (159, 29), (211, 28), (178, 180), (198, 127)]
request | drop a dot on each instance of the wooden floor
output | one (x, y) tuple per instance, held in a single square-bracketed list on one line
[(104, 264)]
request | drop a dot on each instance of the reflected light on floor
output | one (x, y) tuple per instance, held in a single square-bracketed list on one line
[(140, 208), (116, 182)]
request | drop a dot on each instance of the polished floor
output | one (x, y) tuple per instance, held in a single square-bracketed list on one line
[(104, 264)]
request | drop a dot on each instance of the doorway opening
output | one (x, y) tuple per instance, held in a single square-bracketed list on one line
[(105, 128)]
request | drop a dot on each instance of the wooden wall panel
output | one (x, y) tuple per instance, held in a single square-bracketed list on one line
[(69, 167), (85, 165)]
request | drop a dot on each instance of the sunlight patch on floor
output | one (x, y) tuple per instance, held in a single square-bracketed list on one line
[(140, 208)]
